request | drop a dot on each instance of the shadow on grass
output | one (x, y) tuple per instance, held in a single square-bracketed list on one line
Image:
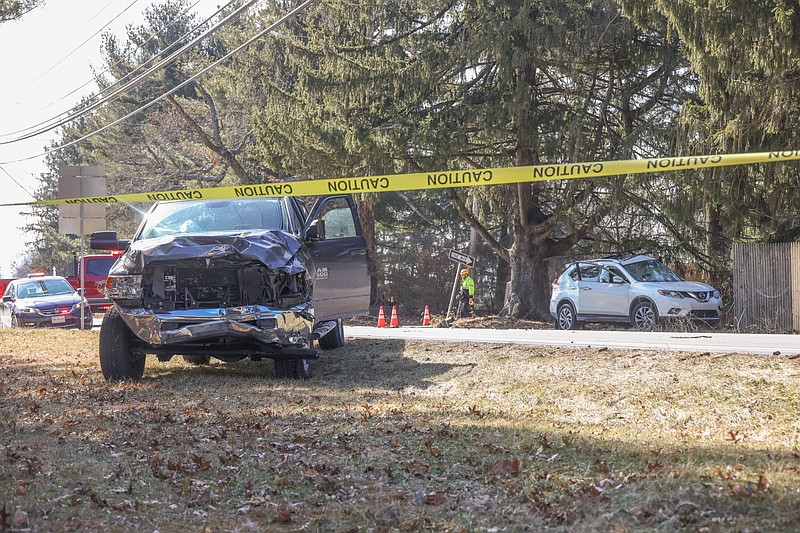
[(361, 363), (229, 447)]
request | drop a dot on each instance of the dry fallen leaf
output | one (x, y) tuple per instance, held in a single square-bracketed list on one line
[(20, 518), (506, 468), (283, 517), (436, 498), (387, 517), (100, 502)]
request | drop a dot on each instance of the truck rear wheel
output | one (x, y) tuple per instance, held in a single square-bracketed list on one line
[(117, 361), (293, 368)]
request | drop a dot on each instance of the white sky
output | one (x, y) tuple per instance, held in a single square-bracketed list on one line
[(36, 74)]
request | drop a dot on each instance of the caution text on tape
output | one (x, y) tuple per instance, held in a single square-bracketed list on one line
[(438, 179)]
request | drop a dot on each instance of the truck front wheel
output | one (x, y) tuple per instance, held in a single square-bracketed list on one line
[(334, 338), (117, 361)]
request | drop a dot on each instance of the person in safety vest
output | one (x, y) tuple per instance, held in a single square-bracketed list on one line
[(466, 298)]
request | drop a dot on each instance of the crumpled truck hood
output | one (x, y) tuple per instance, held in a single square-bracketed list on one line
[(275, 249)]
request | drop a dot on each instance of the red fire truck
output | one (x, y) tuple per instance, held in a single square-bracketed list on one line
[(95, 271)]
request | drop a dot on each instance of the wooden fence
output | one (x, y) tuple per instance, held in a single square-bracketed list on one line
[(766, 286)]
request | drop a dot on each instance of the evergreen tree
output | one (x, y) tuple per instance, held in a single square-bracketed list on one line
[(376, 87), (746, 55), (195, 136), (16, 9)]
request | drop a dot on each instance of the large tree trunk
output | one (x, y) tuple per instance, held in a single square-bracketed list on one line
[(366, 216), (527, 257), (530, 284), (503, 274), (716, 245)]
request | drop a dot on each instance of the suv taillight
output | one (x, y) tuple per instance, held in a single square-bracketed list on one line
[(555, 282)]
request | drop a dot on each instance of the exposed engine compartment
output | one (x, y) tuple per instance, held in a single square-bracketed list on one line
[(200, 286)]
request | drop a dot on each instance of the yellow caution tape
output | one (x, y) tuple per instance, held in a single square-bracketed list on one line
[(439, 179)]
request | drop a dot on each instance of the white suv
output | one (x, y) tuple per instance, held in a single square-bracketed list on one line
[(639, 290)]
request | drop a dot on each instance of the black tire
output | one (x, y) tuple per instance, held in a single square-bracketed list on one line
[(197, 359), (14, 321), (117, 361), (644, 316), (566, 317), (293, 368), (334, 338)]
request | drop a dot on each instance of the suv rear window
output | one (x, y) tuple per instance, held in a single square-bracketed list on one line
[(589, 272)]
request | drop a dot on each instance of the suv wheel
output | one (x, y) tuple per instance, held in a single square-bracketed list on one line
[(644, 316), (565, 317), (117, 361), (293, 368), (334, 338)]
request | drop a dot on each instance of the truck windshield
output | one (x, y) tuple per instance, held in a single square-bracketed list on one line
[(172, 218)]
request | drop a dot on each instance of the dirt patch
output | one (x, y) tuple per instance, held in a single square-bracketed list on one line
[(399, 436)]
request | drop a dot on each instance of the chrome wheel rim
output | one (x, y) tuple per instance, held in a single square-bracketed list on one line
[(565, 317), (644, 318)]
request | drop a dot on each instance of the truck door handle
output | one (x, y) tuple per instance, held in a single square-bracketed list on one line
[(359, 251)]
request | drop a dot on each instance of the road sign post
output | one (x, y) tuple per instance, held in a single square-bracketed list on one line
[(461, 259), (80, 182), (458, 257)]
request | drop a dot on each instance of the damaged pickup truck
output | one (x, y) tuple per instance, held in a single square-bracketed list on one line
[(258, 278)]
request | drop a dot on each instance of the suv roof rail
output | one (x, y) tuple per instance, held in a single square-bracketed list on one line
[(621, 256)]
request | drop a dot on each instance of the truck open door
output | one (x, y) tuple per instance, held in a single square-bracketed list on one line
[(339, 250)]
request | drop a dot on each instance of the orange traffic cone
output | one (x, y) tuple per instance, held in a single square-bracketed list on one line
[(381, 319), (393, 322), (426, 317)]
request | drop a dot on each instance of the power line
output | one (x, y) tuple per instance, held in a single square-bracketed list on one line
[(92, 18), (43, 74), (65, 117), (175, 89), (49, 125), (21, 186), (139, 47), (77, 111)]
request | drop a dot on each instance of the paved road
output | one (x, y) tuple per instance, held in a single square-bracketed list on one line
[(703, 341)]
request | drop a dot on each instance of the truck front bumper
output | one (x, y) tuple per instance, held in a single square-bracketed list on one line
[(289, 328)]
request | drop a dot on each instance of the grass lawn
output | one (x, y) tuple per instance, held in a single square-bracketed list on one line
[(400, 436)]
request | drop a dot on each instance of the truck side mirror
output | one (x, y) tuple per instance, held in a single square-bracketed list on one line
[(107, 240), (316, 230)]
